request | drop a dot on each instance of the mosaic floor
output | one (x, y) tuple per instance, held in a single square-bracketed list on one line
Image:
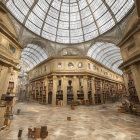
[(101, 122)]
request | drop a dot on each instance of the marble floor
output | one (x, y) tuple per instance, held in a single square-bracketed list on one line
[(100, 122)]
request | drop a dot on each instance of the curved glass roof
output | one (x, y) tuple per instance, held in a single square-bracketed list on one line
[(107, 54), (33, 55), (69, 21)]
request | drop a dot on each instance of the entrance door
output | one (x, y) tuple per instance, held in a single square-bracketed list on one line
[(50, 98)]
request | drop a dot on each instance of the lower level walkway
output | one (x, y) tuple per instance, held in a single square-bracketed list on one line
[(101, 122)]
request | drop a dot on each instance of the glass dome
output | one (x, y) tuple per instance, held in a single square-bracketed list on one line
[(69, 21)]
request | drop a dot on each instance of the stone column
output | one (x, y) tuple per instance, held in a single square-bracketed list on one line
[(15, 81), (35, 90), (101, 91), (55, 82), (75, 84), (4, 80), (85, 87), (125, 80), (2, 74), (93, 89), (136, 77), (46, 84), (64, 88)]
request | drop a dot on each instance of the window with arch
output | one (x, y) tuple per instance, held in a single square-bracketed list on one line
[(70, 65)]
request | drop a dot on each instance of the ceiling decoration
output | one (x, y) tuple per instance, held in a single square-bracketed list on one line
[(107, 54), (33, 55), (69, 21)]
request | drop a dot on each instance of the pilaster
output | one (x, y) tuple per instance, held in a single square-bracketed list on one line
[(85, 87), (4, 80), (64, 88), (46, 84), (101, 91), (93, 89), (55, 83), (125, 80), (75, 86), (136, 77), (15, 81)]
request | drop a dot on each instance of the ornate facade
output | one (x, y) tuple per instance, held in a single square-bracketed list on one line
[(68, 78), (10, 50)]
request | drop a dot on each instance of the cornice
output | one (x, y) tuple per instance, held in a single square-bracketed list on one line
[(129, 35), (130, 61), (4, 30), (73, 57), (88, 74), (8, 62)]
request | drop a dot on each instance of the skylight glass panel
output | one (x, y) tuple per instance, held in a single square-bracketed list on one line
[(34, 57), (48, 36), (20, 4), (100, 11), (89, 28), (105, 52), (63, 25), (123, 11), (32, 27), (65, 7), (39, 12), (75, 25), (106, 56), (89, 1), (15, 11), (87, 21), (77, 39), (29, 2), (51, 21), (49, 1), (64, 16), (107, 26), (77, 32), (95, 5), (29, 62), (54, 13), (34, 19), (90, 35), (101, 21), (85, 12), (110, 2), (74, 8), (61, 32), (82, 4), (117, 5), (62, 39), (44, 5), (56, 4), (74, 17)]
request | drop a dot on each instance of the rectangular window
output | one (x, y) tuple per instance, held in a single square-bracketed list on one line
[(88, 66), (94, 67), (44, 68), (12, 49), (59, 82), (59, 65)]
